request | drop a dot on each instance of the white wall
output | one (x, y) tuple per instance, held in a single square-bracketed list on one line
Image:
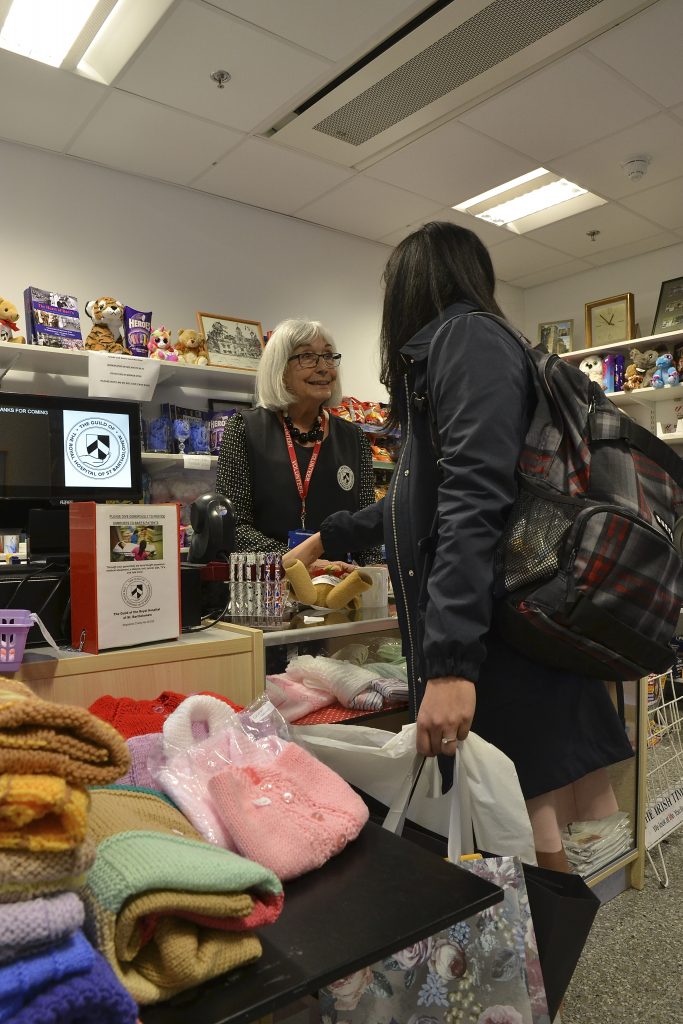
[(85, 230), (565, 299)]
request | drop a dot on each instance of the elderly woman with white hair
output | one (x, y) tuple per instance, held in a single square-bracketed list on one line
[(288, 464)]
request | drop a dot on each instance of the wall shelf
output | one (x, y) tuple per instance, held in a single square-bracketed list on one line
[(388, 467), (669, 340), (36, 359), (165, 460)]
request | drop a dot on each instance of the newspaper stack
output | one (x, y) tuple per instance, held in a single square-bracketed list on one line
[(590, 845)]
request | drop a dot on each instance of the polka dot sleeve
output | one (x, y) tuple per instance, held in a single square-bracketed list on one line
[(366, 496), (233, 479)]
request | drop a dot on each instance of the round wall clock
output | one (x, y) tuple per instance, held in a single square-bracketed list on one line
[(609, 320)]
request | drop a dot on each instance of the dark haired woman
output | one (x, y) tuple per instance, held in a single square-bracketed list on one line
[(441, 524)]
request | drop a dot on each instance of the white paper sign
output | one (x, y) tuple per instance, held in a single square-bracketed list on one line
[(196, 462), (137, 574), (127, 377), (663, 815)]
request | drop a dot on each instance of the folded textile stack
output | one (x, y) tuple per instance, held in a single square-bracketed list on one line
[(49, 753), (167, 909), (312, 683), (590, 845)]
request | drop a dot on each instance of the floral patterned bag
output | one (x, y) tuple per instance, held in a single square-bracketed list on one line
[(482, 971)]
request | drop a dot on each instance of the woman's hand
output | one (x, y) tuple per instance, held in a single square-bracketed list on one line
[(308, 552), (446, 713)]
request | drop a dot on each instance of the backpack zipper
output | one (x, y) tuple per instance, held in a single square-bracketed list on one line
[(579, 524)]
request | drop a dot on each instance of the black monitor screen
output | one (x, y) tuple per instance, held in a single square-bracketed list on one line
[(60, 449)]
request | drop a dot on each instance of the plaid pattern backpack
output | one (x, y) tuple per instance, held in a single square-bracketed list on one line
[(588, 573)]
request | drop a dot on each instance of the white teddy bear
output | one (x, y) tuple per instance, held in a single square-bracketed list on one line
[(593, 368)]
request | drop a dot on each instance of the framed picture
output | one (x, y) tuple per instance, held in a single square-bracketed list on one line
[(231, 341), (610, 320), (557, 336), (669, 315)]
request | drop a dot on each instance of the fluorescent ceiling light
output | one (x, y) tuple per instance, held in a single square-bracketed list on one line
[(120, 36), (522, 208), (45, 30)]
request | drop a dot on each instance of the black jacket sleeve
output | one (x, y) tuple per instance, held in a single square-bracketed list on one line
[(353, 531), (233, 479), (479, 394)]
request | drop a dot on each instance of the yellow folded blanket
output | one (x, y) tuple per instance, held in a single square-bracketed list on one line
[(43, 738), (41, 813)]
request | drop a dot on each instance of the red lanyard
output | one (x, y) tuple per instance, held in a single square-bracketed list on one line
[(303, 485)]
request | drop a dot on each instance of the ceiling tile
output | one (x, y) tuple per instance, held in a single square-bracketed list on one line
[(623, 252), (550, 274), (152, 132), (451, 164), (268, 175), (617, 226), (663, 204), (598, 167), (327, 27), (520, 256), (566, 105), (195, 40), (488, 233), (40, 105), (646, 49), (368, 208)]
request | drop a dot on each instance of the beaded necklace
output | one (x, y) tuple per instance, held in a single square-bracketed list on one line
[(316, 432)]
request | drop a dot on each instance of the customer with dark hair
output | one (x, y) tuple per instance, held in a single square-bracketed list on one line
[(441, 522)]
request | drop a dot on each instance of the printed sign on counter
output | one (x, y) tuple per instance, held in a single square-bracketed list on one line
[(125, 567)]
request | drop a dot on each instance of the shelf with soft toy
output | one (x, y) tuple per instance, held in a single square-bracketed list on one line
[(9, 318)]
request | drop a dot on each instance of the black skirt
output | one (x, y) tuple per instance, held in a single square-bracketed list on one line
[(555, 726)]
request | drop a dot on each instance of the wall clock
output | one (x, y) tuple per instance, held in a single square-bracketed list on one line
[(609, 320)]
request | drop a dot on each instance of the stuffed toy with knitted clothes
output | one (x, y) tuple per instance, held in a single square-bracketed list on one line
[(246, 787), (329, 590)]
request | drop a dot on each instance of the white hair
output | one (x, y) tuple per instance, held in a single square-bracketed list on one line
[(271, 391)]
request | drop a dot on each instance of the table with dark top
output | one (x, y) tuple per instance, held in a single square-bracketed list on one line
[(380, 895)]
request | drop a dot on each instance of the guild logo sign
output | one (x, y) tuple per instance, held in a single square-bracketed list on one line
[(136, 591), (97, 448), (345, 478)]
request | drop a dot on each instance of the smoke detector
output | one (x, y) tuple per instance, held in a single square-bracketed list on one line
[(637, 168)]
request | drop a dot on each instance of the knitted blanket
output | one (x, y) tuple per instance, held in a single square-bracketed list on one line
[(43, 738), (94, 995), (25, 876), (26, 927), (158, 899), (41, 812), (22, 979)]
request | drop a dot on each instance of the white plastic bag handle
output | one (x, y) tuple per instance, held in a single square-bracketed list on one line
[(396, 818)]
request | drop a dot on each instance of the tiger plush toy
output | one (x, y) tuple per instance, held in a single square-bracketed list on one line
[(107, 317)]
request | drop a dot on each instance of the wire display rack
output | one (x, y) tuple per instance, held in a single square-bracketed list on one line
[(664, 775)]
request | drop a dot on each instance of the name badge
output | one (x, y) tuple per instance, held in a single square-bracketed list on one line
[(295, 537)]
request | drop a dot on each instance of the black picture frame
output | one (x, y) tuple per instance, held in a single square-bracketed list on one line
[(669, 315)]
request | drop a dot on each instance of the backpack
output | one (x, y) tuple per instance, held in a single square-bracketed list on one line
[(588, 573)]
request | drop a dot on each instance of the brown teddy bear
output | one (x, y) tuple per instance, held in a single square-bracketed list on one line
[(9, 316), (191, 348), (107, 317), (646, 363), (633, 378), (328, 590)]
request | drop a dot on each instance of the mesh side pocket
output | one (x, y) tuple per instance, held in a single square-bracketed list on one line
[(529, 548)]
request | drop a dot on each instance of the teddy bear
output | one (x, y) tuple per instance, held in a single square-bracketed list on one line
[(106, 314), (633, 378), (191, 347), (9, 316), (666, 374), (160, 345), (593, 368), (645, 363), (328, 590)]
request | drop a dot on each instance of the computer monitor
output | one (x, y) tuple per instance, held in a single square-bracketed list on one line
[(56, 450)]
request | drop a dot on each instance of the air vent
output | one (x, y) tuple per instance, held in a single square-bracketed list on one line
[(497, 32)]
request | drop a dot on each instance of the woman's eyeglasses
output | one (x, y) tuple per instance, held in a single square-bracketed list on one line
[(310, 360)]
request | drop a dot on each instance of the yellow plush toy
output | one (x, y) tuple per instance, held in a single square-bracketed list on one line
[(8, 322), (328, 590), (191, 347)]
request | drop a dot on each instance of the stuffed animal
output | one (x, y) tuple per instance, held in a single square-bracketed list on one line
[(328, 590), (592, 366), (678, 359), (9, 316), (645, 362), (666, 374), (191, 347), (633, 378), (160, 345), (105, 334)]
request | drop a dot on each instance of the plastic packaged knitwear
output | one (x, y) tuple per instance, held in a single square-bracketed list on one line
[(257, 586), (182, 768)]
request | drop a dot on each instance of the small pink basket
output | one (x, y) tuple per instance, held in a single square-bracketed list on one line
[(14, 628)]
